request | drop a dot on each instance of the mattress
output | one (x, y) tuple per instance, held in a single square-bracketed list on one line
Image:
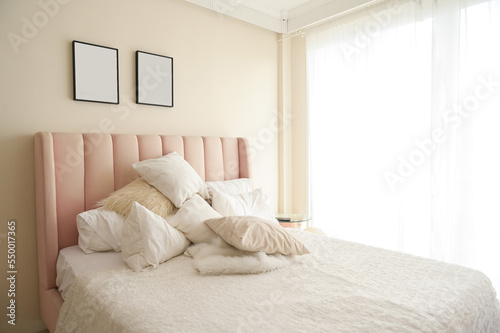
[(339, 287), (72, 262)]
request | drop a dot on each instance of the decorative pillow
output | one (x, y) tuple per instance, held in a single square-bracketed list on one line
[(251, 233), (139, 190), (255, 203), (172, 176), (230, 187), (190, 217), (148, 240), (99, 230)]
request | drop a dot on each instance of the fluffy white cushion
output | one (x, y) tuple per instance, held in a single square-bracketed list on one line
[(99, 230), (218, 257), (230, 187), (172, 176), (148, 240), (251, 233), (190, 217), (255, 203), (138, 190)]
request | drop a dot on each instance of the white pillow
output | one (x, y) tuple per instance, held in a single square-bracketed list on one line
[(99, 230), (148, 240), (190, 217), (250, 233), (231, 187), (172, 176), (255, 203)]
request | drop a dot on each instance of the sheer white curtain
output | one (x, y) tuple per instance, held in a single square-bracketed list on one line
[(404, 128)]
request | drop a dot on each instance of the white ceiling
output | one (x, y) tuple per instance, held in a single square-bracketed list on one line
[(283, 16), (275, 8), (287, 4)]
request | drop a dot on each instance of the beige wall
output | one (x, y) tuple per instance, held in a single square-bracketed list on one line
[(225, 81)]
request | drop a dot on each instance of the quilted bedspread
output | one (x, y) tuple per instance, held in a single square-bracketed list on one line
[(339, 287)]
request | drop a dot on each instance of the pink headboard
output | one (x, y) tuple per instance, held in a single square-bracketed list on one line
[(74, 171)]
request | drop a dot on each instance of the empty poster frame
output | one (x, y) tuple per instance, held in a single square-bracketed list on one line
[(154, 79), (95, 73)]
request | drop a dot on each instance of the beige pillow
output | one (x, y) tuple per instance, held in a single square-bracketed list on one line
[(139, 190), (251, 233)]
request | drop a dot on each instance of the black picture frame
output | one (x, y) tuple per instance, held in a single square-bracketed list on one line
[(95, 73), (154, 79)]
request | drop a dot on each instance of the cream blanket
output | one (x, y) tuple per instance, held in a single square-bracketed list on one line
[(339, 287)]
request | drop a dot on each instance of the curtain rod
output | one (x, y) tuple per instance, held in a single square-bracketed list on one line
[(295, 34), (301, 32)]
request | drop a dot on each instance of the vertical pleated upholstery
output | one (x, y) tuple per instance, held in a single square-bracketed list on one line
[(231, 161), (245, 158), (194, 153), (70, 187), (214, 161), (47, 228), (150, 146), (172, 143), (88, 167), (46, 212), (99, 168), (125, 153)]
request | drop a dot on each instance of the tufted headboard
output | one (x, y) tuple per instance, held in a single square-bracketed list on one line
[(73, 171)]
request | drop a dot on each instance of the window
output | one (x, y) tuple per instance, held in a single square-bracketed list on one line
[(404, 129)]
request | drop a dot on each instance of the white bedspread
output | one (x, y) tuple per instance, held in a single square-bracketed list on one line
[(340, 287)]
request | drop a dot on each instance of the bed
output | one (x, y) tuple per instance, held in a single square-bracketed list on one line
[(338, 287)]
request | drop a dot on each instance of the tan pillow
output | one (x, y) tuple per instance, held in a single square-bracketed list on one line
[(139, 190), (251, 233)]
